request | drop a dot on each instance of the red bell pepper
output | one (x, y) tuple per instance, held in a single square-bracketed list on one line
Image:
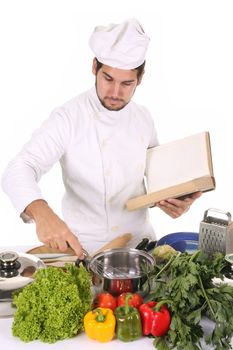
[(135, 301), (155, 318)]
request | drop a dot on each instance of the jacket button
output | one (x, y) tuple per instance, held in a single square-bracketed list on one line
[(97, 115), (104, 142), (108, 172)]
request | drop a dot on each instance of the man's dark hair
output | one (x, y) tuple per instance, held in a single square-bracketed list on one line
[(140, 69)]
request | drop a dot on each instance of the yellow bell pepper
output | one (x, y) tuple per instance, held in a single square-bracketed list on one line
[(99, 324)]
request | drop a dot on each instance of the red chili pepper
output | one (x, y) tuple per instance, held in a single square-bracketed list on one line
[(135, 301), (155, 322)]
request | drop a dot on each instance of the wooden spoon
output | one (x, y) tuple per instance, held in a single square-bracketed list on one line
[(118, 242)]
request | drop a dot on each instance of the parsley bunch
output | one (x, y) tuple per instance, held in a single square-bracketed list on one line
[(186, 280), (53, 306)]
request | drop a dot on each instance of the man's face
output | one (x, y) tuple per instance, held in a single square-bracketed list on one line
[(115, 87)]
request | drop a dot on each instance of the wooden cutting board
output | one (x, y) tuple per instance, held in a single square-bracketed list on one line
[(45, 250)]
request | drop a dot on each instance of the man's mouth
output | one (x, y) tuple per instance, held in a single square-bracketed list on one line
[(113, 101)]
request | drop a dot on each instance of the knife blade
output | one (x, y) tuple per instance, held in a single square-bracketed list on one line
[(48, 256)]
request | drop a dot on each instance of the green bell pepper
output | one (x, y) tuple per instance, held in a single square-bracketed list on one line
[(128, 319)]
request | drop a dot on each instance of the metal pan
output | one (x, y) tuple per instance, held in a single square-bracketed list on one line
[(132, 268)]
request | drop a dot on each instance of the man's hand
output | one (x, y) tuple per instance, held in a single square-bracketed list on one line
[(175, 207), (51, 230)]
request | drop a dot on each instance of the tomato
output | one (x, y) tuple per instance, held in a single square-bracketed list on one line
[(105, 300), (135, 301)]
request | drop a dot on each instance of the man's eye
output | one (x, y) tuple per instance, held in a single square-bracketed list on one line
[(127, 83)]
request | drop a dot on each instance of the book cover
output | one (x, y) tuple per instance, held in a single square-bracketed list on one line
[(177, 169)]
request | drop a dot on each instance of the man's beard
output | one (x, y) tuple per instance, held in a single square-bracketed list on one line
[(102, 101), (112, 108)]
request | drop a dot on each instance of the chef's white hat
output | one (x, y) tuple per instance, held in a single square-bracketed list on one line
[(121, 45)]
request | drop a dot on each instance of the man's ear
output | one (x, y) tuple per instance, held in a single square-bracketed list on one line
[(94, 66), (140, 79)]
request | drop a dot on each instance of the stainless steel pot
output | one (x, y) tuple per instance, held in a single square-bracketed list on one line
[(16, 270), (122, 270)]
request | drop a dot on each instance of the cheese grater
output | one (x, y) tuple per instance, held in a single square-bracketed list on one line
[(216, 232)]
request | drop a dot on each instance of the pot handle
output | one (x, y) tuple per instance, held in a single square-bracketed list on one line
[(151, 245), (85, 262), (142, 245), (146, 245)]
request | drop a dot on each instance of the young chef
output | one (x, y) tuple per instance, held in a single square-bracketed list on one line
[(100, 139)]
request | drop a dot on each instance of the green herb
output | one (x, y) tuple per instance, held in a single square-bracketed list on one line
[(187, 281), (53, 306)]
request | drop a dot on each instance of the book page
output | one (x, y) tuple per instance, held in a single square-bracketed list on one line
[(177, 162)]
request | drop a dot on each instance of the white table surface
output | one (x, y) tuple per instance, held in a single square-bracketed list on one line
[(79, 342)]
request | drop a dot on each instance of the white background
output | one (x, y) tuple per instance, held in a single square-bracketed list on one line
[(188, 86)]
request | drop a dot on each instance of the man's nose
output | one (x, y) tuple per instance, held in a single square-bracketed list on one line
[(115, 90)]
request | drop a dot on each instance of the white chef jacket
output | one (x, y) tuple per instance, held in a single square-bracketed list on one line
[(102, 155)]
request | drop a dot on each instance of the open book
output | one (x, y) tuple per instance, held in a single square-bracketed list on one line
[(177, 169)]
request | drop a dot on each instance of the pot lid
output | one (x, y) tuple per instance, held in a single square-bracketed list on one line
[(16, 269)]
